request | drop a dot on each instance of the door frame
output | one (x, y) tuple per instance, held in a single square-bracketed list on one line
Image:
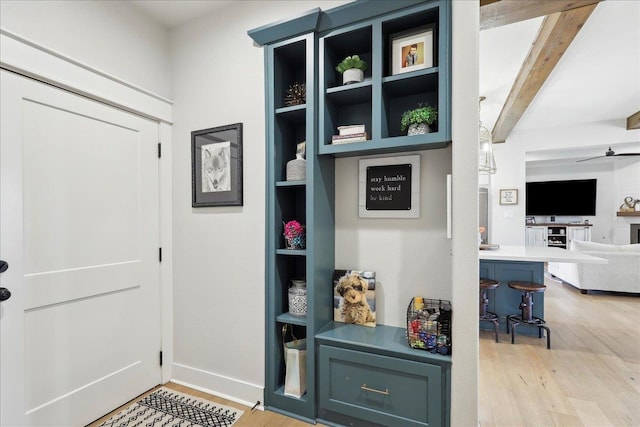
[(38, 62)]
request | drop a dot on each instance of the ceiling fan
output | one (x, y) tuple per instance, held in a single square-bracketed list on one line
[(609, 153)]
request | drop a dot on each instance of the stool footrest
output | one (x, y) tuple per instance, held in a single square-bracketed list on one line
[(514, 320), (535, 321), (489, 316)]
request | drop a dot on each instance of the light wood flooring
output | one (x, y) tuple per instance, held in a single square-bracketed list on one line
[(590, 377)]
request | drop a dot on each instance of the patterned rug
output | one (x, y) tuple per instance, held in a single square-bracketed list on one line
[(165, 407)]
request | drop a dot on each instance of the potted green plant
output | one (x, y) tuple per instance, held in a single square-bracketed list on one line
[(352, 69), (418, 120)]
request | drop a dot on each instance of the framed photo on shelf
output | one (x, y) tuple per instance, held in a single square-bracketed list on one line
[(509, 196), (389, 187), (216, 166), (412, 50)]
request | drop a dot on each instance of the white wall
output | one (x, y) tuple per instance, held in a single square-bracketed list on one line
[(508, 222), (626, 183), (410, 256), (110, 36), (464, 277), (219, 273)]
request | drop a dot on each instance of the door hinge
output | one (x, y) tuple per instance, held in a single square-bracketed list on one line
[(159, 150), (160, 358), (160, 254)]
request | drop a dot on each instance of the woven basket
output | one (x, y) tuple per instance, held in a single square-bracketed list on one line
[(296, 170)]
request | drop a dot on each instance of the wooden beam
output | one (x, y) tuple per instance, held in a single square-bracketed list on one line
[(633, 121), (556, 34), (494, 13)]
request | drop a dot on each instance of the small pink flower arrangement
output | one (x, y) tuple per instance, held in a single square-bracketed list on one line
[(294, 235), (292, 229)]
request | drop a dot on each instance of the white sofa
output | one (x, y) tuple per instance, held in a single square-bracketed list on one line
[(620, 274)]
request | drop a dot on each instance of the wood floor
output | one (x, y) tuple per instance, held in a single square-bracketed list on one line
[(590, 377), (255, 418)]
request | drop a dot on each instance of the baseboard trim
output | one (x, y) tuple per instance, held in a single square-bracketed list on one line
[(222, 386)]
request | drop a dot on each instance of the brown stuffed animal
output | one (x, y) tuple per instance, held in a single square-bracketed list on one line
[(353, 289)]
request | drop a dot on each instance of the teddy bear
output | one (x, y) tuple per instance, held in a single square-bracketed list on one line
[(353, 288)]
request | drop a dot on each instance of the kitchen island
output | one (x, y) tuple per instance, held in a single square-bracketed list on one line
[(525, 264)]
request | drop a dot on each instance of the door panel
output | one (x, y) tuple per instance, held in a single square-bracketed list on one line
[(81, 186), (88, 279), (53, 287)]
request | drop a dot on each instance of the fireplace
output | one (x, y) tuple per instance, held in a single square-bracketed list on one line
[(635, 233)]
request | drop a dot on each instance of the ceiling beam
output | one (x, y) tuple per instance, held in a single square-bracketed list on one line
[(556, 34), (495, 13), (633, 121)]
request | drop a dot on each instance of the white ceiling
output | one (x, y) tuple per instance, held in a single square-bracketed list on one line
[(172, 13), (598, 77)]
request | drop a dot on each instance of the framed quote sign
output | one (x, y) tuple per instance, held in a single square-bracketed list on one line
[(509, 196), (389, 187)]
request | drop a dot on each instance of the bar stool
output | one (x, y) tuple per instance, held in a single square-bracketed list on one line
[(486, 284), (526, 306)]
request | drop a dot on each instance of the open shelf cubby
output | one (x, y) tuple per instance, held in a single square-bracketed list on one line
[(386, 92), (341, 44), (289, 68)]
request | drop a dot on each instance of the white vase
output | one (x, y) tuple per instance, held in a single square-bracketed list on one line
[(352, 75), (418, 129)]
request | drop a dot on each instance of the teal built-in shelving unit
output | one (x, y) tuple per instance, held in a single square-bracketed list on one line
[(305, 49)]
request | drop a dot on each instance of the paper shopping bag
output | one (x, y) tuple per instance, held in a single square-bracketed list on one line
[(295, 357)]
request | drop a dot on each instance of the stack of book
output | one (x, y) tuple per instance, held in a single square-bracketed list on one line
[(350, 133)]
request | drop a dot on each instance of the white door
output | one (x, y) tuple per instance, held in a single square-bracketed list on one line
[(79, 228)]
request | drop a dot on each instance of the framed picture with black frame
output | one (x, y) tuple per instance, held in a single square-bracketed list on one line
[(216, 166)]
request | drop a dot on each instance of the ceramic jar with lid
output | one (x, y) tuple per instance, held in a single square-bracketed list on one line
[(298, 297)]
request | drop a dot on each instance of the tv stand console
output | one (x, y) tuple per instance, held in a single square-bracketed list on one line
[(556, 234)]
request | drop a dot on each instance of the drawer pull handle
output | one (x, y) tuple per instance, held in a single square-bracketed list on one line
[(365, 388)]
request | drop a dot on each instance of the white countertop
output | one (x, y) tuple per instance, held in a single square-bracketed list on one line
[(535, 253)]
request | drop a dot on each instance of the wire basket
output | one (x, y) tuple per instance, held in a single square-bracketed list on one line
[(429, 325)]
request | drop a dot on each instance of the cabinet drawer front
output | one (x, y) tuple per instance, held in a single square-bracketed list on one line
[(380, 389)]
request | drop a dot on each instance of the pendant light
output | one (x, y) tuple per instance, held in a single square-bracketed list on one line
[(486, 161)]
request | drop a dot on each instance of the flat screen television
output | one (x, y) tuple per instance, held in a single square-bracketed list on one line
[(561, 198)]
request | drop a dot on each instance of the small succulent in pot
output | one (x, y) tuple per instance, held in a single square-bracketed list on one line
[(350, 62), (418, 120), (352, 69)]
